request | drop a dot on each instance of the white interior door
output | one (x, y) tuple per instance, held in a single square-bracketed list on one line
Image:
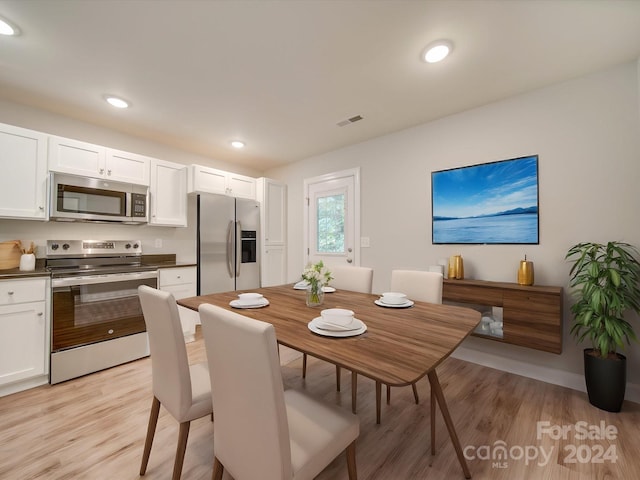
[(332, 218)]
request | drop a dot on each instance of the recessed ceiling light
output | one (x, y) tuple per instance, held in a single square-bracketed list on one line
[(437, 51), (237, 144), (116, 101), (7, 28)]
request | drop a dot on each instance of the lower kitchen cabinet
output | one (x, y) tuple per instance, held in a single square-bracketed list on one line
[(181, 282), (24, 334), (274, 265)]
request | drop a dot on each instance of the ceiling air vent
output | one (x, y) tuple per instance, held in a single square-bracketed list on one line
[(350, 120)]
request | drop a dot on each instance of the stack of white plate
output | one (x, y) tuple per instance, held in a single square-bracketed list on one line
[(249, 300), (337, 322), (393, 300)]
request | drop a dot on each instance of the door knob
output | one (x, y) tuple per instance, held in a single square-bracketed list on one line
[(349, 260)]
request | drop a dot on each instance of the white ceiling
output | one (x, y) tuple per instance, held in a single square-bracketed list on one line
[(280, 75)]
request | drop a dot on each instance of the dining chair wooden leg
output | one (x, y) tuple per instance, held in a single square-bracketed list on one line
[(378, 401), (437, 390), (354, 391), (218, 469), (433, 423), (415, 394), (304, 365), (338, 372), (183, 436), (151, 430), (351, 461)]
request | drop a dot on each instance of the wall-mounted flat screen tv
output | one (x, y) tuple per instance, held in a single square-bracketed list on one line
[(490, 203)]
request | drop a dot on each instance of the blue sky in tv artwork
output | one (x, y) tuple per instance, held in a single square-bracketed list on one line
[(489, 203)]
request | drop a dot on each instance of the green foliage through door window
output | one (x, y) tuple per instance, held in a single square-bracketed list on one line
[(330, 212)]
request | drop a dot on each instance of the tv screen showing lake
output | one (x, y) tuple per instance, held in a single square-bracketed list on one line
[(489, 203)]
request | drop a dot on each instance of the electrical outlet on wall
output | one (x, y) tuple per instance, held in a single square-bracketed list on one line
[(158, 243), (365, 242)]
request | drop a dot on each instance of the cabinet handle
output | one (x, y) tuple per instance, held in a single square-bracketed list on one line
[(10, 292), (109, 172), (179, 277), (40, 314), (102, 171), (41, 207)]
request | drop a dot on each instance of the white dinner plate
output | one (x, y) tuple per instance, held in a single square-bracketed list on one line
[(303, 286), (313, 326), (406, 304), (258, 304)]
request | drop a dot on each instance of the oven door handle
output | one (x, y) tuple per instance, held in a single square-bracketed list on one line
[(105, 278)]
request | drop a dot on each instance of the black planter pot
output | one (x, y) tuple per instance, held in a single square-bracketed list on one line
[(606, 380)]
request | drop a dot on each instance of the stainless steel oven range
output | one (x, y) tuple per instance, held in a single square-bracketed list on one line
[(97, 320)]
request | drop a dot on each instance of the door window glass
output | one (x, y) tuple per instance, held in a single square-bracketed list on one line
[(330, 214)]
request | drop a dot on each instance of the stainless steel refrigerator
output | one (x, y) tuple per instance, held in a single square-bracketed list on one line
[(228, 244)]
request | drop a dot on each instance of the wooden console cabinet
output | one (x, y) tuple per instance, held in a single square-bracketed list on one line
[(532, 315)]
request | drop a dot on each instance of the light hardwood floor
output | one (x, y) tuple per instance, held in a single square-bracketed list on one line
[(94, 428)]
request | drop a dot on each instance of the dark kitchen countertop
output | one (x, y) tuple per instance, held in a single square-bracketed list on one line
[(40, 271), (165, 261), (160, 261)]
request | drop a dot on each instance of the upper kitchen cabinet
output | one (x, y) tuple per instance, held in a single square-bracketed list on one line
[(88, 160), (168, 194), (23, 173), (210, 180)]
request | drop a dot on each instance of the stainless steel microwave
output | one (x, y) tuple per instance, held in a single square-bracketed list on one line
[(84, 199)]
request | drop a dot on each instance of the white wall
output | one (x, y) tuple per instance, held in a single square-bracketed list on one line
[(585, 132)]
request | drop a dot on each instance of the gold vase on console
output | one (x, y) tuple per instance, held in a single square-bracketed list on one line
[(456, 267), (525, 272)]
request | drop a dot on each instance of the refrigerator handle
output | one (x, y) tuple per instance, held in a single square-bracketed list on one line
[(230, 248), (238, 247)]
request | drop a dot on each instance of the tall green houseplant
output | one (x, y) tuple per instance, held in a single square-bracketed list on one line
[(606, 281)]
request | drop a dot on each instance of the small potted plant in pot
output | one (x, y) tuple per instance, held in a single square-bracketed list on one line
[(605, 278)]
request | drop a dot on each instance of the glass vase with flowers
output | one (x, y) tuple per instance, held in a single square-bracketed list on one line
[(317, 276)]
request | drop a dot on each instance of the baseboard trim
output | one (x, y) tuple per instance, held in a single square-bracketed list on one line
[(545, 374)]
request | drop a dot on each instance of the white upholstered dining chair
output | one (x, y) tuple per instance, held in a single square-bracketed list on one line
[(183, 389), (262, 431), (355, 279), (421, 286)]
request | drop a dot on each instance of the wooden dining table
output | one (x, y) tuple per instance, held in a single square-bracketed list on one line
[(399, 347)]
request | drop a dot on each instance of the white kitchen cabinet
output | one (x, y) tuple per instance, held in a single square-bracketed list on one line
[(241, 186), (273, 196), (127, 167), (273, 218), (168, 194), (181, 282), (88, 160), (211, 180), (274, 265), (23, 173), (24, 334)]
